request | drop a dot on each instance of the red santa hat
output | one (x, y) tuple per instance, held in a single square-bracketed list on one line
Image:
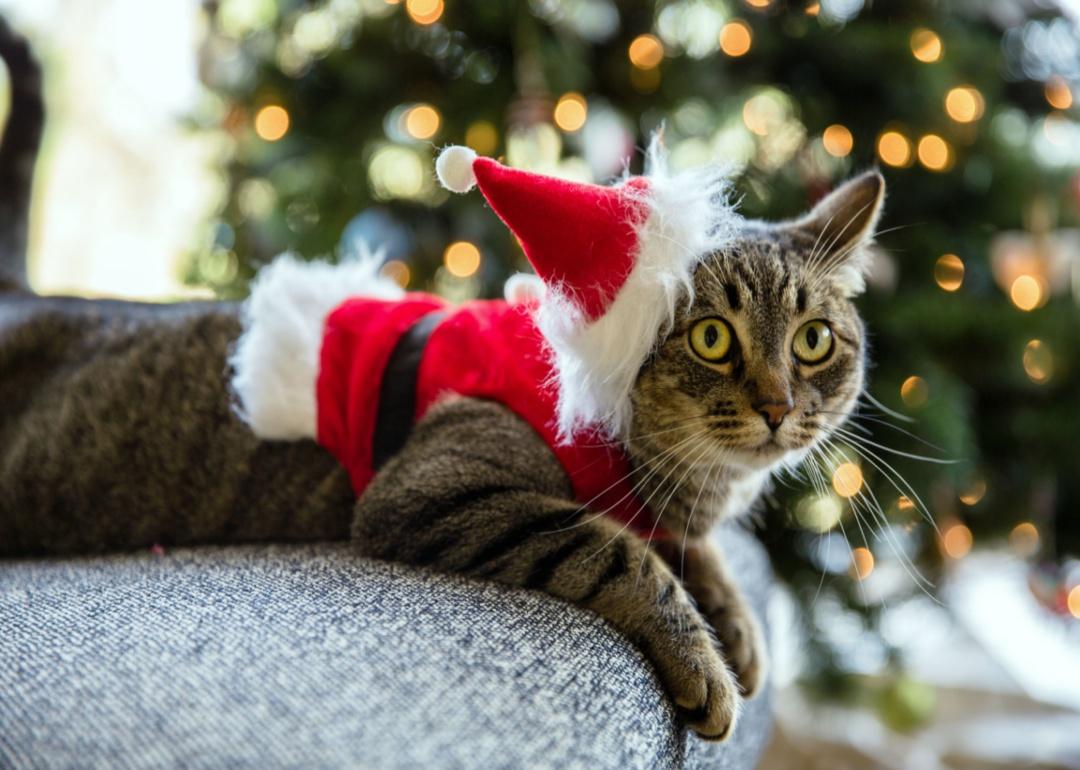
[(616, 262)]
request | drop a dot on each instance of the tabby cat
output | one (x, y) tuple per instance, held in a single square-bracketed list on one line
[(119, 429)]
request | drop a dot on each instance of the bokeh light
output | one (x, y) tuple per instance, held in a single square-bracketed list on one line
[(1073, 602), (462, 259), (914, 391), (837, 140), (759, 4), (397, 271), (1058, 94), (904, 503), (926, 45), (483, 137), (974, 492), (862, 563), (422, 121), (271, 122), (894, 149), (571, 112), (964, 104), (1038, 361), (1027, 292), (847, 479), (646, 51), (813, 9), (949, 272), (424, 11), (736, 38), (956, 541), (819, 513), (1024, 539), (935, 153)]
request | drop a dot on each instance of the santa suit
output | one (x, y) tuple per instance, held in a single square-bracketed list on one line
[(484, 349), (320, 355)]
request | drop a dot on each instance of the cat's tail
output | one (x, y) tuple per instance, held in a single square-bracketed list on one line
[(18, 154)]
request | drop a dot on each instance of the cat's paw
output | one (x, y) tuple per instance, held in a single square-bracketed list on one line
[(741, 644), (706, 695)]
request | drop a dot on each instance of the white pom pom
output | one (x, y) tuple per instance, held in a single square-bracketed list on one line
[(454, 168), (524, 288)]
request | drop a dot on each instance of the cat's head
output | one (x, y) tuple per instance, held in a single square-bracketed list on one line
[(767, 355)]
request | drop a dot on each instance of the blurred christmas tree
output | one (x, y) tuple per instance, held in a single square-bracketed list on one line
[(333, 111)]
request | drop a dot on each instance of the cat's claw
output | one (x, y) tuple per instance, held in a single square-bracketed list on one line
[(704, 691)]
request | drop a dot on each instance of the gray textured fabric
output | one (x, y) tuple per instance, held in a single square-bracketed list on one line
[(305, 656)]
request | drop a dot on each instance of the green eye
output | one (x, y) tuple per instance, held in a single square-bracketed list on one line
[(711, 340), (813, 342)]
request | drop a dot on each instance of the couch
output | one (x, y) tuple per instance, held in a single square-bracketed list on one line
[(305, 656)]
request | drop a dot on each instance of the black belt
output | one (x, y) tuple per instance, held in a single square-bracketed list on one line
[(397, 393)]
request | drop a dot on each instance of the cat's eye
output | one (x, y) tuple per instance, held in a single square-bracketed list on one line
[(711, 339), (813, 342)]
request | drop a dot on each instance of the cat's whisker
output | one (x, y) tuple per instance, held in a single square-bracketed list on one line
[(866, 497), (911, 456)]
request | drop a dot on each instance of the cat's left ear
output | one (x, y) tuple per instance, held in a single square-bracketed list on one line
[(841, 226)]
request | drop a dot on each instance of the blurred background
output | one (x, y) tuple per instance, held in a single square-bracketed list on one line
[(931, 610)]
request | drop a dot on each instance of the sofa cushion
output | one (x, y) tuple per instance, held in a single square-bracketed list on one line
[(306, 656)]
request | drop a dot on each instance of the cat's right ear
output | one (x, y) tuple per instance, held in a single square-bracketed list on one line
[(841, 226)]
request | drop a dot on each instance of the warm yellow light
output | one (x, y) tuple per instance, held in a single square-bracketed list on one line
[(1058, 94), (956, 541), (736, 38), (949, 272), (422, 121), (1026, 292), (862, 563), (914, 391), (462, 259), (397, 271), (1024, 538), (571, 112), (1073, 602), (964, 104), (483, 137), (424, 11), (646, 51), (847, 479), (974, 493), (904, 503), (1038, 361), (271, 122), (894, 148), (935, 153), (838, 140), (813, 9), (759, 4), (926, 45)]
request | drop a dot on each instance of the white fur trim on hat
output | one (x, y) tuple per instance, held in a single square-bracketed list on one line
[(454, 167), (690, 215), (276, 361)]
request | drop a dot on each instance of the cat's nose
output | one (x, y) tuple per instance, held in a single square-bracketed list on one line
[(774, 412)]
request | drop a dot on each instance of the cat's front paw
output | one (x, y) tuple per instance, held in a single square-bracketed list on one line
[(741, 643), (704, 691)]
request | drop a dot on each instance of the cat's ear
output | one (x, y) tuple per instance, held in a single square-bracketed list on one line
[(841, 226)]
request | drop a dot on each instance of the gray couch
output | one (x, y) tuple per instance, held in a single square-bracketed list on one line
[(305, 656)]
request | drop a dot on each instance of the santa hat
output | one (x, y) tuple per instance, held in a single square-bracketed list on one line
[(617, 262)]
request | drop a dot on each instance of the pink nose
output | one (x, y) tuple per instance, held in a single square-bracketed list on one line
[(774, 412)]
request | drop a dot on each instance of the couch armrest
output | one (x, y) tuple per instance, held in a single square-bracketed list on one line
[(304, 655)]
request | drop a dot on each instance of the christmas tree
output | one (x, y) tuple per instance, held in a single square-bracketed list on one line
[(333, 112)]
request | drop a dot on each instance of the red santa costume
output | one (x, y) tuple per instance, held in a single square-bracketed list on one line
[(331, 352)]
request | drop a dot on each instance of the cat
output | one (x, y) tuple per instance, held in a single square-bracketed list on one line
[(119, 428)]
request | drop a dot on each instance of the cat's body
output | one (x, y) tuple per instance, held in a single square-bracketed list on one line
[(119, 429)]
